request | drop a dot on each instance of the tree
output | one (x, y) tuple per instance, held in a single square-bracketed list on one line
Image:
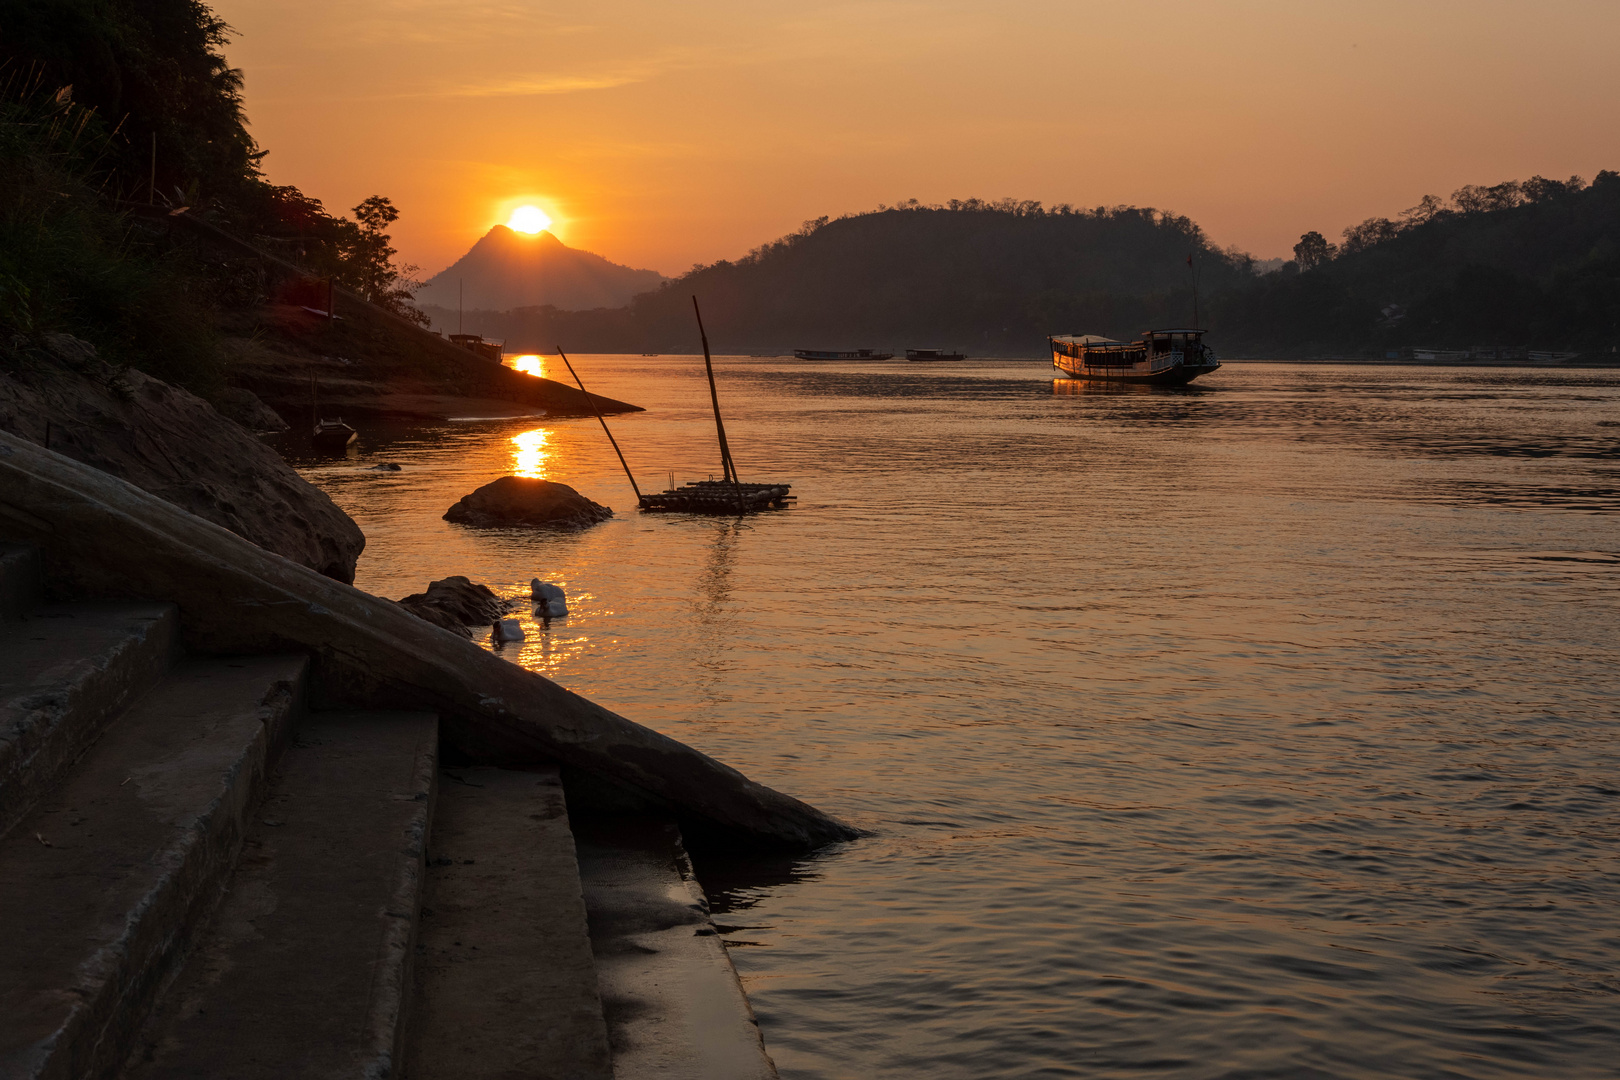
[(369, 261), (1375, 230), (1313, 250)]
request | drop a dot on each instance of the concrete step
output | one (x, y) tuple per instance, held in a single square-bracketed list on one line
[(305, 969), (65, 671), (505, 980), (101, 884), (21, 578), (675, 1009)]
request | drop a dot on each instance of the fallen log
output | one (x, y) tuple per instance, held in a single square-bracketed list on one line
[(102, 537)]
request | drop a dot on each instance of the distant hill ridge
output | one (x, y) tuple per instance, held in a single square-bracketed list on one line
[(505, 269), (1533, 265)]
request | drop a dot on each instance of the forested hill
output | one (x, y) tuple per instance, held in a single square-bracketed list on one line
[(985, 277), (991, 278), (1533, 264)]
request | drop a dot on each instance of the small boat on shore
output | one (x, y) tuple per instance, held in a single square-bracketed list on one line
[(333, 436), (475, 343), (920, 355), (1158, 357), (856, 354)]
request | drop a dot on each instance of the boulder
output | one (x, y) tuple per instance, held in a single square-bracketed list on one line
[(173, 444), (456, 603), (524, 500)]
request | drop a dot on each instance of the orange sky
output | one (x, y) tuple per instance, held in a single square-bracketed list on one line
[(661, 134)]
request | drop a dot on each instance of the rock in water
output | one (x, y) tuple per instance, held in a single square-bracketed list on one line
[(523, 500), (174, 445), (456, 603)]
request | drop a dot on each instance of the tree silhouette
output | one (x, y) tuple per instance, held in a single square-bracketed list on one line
[(1313, 250)]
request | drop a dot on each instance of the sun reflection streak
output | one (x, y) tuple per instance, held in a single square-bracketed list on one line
[(529, 364), (530, 453)]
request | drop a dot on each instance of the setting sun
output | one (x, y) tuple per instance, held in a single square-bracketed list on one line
[(529, 219)]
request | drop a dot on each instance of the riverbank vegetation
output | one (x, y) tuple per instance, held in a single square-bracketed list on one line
[(109, 106), (1533, 263)]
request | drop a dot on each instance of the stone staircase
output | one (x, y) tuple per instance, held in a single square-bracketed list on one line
[(201, 876)]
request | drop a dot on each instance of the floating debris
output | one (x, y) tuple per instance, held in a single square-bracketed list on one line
[(550, 602)]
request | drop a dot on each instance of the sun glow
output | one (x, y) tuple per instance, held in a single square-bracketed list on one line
[(528, 363), (529, 219)]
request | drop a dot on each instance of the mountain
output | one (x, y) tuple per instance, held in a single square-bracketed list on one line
[(506, 269)]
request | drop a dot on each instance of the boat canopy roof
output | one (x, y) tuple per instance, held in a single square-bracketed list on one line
[(1177, 330), (1087, 339)]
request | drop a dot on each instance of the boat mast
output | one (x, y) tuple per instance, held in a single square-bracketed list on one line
[(730, 469), (603, 422)]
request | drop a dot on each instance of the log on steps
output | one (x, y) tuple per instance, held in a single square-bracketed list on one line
[(505, 982), (305, 970), (105, 537), (101, 885)]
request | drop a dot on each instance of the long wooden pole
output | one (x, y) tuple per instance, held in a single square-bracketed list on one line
[(603, 422), (726, 464)]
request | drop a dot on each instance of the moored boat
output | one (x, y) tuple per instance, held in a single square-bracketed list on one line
[(854, 354), (333, 436), (1159, 357), (920, 355), (475, 343)]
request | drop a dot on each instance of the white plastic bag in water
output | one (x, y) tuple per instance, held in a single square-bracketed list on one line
[(550, 602)]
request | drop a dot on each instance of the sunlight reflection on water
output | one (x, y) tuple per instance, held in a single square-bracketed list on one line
[(529, 454)]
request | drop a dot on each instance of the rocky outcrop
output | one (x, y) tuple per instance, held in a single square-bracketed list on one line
[(457, 604), (524, 500), (59, 393)]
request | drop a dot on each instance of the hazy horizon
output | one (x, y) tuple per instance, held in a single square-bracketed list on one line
[(662, 137)]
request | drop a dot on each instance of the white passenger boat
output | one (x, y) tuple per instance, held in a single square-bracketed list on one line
[(1161, 357)]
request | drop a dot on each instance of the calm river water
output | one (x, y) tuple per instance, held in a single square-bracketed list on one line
[(1266, 728)]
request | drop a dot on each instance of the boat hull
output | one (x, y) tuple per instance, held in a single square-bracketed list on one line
[(1179, 374)]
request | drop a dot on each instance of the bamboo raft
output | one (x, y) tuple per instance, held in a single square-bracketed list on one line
[(722, 497), (719, 497)]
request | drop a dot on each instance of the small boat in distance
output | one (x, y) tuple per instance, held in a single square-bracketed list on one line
[(1159, 357), (857, 354), (933, 354), (333, 436)]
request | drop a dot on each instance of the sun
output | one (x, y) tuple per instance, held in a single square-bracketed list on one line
[(529, 219)]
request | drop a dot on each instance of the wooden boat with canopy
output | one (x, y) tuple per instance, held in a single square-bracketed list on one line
[(1160, 357)]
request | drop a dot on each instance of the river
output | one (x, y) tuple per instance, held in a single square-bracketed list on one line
[(1266, 728)]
